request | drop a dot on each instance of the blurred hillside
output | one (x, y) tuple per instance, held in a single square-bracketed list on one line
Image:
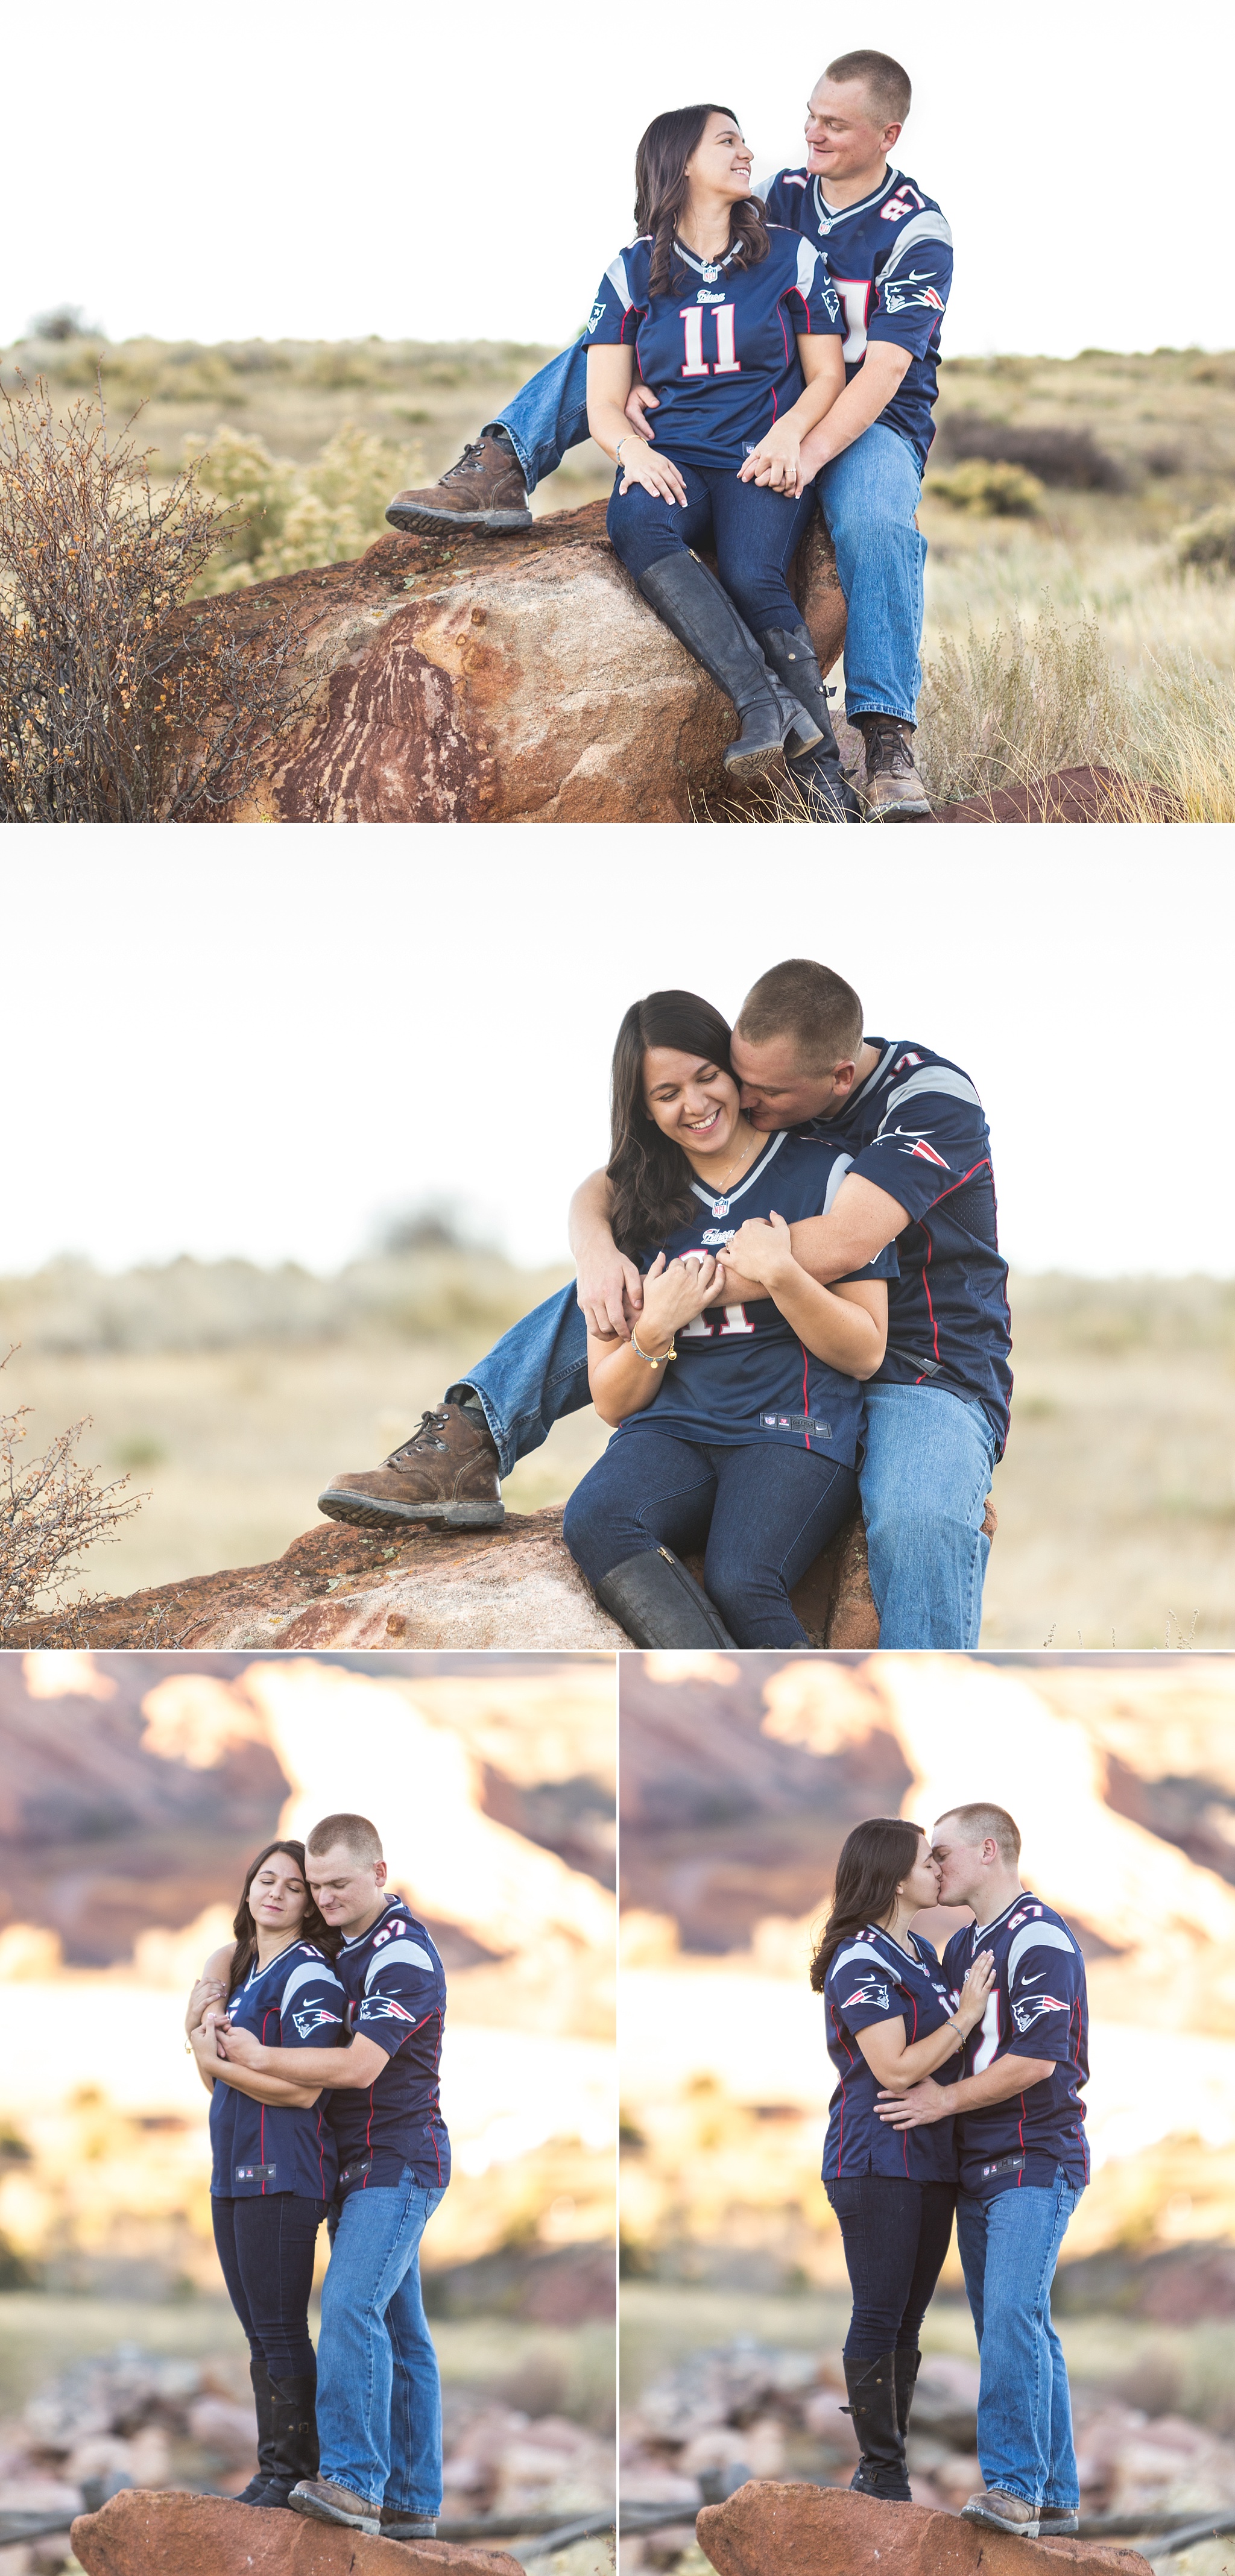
[(134, 1793), (230, 1393)]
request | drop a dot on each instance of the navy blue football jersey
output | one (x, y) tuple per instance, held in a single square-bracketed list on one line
[(890, 260), (720, 352), (741, 1373), (916, 1128), (295, 2001), (1037, 2008), (872, 1980), (396, 1989)]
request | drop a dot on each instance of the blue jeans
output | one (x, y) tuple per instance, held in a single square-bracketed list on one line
[(1009, 2247), (869, 497), (379, 2399), (923, 1494), (895, 2233), (764, 1509), (927, 1472), (756, 535)]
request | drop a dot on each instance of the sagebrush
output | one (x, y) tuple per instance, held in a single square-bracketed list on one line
[(289, 517), (52, 1510)]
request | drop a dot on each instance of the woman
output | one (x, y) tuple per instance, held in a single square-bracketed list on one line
[(891, 2020), (736, 327), (737, 1424), (275, 2162)]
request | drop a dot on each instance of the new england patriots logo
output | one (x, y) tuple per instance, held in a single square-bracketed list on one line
[(384, 2008), (914, 1143), (598, 313), (315, 2017), (870, 1991), (898, 294), (1030, 2008)]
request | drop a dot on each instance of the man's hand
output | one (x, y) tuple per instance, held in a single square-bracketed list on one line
[(204, 2042), (639, 401), (776, 463), (917, 2109), (610, 1292), (239, 2047), (762, 1250)]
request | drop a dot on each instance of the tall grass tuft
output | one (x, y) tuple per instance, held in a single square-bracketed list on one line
[(1001, 709)]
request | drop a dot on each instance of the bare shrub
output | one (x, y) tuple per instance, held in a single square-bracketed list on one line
[(118, 703), (1052, 451), (51, 1511)]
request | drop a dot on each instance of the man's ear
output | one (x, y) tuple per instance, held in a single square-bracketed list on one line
[(379, 1873), (844, 1074)]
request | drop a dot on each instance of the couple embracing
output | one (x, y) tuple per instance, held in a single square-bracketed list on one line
[(957, 2094), (790, 1294), (317, 2033), (759, 349)]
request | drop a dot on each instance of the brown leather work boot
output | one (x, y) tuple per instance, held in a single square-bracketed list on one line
[(448, 1471), (893, 791), (1002, 2512), (484, 490)]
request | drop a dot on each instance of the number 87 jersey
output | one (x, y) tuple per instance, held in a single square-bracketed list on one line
[(741, 1374), (719, 351)]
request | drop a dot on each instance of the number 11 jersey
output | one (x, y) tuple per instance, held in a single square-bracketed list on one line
[(720, 351)]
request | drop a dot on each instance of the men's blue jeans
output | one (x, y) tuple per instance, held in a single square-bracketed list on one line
[(1009, 2247), (379, 2399), (869, 497), (924, 1480)]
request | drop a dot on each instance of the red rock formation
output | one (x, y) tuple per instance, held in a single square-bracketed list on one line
[(141, 2533), (1066, 796), (771, 2530), (509, 1587), (463, 678)]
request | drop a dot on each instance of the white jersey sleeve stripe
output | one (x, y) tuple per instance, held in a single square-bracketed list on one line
[(310, 1972), (931, 226), (933, 1077), (1037, 1936), (404, 1954), (860, 1950), (835, 1177), (616, 273), (808, 262)]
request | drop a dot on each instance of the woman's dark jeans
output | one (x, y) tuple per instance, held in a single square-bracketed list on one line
[(266, 2246), (765, 1511), (756, 534), (896, 2234)]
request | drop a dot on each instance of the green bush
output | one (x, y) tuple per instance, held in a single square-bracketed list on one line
[(989, 490), (1208, 542), (288, 517)]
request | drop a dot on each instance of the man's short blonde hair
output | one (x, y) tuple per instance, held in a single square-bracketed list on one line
[(360, 1838), (979, 1821)]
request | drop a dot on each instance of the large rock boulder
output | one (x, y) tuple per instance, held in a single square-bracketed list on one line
[(148, 2533), (514, 1586), (460, 678), (770, 2530)]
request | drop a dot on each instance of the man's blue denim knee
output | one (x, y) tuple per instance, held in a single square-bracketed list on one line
[(537, 1372), (548, 414), (379, 2403), (1009, 2247), (869, 496), (925, 1478)]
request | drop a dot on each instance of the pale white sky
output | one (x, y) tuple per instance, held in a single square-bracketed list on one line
[(229, 1040), (464, 172)]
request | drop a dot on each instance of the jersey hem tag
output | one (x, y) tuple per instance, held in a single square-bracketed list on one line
[(256, 2173), (796, 1422), (1004, 2164)]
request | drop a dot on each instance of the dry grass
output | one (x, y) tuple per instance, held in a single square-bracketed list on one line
[(233, 1394)]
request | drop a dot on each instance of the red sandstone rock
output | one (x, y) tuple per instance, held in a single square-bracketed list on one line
[(1067, 796), (513, 1586), (464, 678), (771, 2530), (144, 2533)]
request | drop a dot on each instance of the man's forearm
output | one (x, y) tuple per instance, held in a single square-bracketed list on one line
[(266, 2088), (864, 398), (589, 1212), (316, 2068), (997, 2083)]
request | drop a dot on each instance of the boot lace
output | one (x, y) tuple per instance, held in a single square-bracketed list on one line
[(431, 1426), (472, 461), (888, 753)]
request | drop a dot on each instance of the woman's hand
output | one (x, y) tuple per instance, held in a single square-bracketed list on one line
[(675, 1293), (976, 1989), (657, 474), (762, 1250), (610, 387), (207, 1991), (776, 462), (204, 2043)]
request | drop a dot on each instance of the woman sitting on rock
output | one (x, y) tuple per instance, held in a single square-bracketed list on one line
[(890, 2021), (734, 324), (275, 2160), (737, 1426)]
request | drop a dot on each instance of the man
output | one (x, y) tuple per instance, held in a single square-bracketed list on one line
[(1023, 2165), (937, 1409), (889, 250), (379, 2407)]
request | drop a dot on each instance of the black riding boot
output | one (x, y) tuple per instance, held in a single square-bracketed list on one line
[(659, 1604), (296, 2454), (818, 775), (263, 2399), (697, 607), (872, 2404), (905, 2367)]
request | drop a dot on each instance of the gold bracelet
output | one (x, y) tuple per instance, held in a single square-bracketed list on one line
[(670, 1354)]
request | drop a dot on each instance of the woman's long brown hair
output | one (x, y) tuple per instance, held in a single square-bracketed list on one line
[(662, 189), (874, 1859), (312, 1927), (649, 1175)]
